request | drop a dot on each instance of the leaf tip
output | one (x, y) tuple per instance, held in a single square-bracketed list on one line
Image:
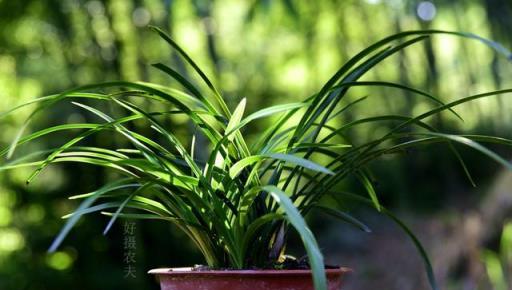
[(53, 247), (109, 225)]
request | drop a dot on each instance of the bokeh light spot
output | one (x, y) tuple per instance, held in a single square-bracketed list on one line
[(426, 10), (95, 8), (35, 213), (59, 261), (141, 17), (11, 240), (5, 216)]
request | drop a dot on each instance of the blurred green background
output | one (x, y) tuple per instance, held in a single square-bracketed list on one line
[(270, 52)]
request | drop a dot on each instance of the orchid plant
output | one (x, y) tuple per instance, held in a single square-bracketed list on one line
[(239, 204)]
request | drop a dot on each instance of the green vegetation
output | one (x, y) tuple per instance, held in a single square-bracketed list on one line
[(242, 193), (271, 53), (498, 265)]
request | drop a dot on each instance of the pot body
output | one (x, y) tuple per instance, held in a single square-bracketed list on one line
[(186, 279)]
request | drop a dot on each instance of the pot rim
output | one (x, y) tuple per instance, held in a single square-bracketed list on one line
[(187, 271)]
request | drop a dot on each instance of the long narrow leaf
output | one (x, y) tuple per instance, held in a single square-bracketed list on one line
[(293, 216), (84, 205)]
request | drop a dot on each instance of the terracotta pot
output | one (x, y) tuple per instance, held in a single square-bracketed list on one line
[(185, 279)]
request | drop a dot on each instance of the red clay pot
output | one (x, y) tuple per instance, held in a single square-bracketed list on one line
[(185, 279)]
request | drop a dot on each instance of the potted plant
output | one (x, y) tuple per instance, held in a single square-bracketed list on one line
[(239, 204)]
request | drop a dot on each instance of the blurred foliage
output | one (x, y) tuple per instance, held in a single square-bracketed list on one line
[(498, 265), (268, 51)]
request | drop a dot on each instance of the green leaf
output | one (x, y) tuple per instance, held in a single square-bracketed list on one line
[(236, 168), (235, 119), (293, 216), (265, 113), (46, 102), (122, 206), (182, 80), (255, 226), (92, 209), (198, 70), (326, 100), (305, 163), (344, 217), (368, 185), (470, 143), (140, 216), (408, 232), (399, 86), (124, 183)]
